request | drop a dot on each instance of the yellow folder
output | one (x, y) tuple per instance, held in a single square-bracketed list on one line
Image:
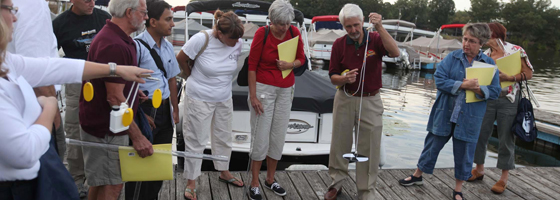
[(484, 72), (157, 167), (287, 52), (510, 65)]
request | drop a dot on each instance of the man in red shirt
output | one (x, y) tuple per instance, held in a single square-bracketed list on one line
[(348, 54), (112, 44)]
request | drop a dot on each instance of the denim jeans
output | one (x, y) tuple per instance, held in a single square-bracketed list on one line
[(463, 154), (21, 190)]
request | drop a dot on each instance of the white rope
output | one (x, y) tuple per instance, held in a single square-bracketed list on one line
[(362, 83)]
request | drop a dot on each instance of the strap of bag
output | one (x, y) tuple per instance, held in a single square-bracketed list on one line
[(203, 46), (155, 56)]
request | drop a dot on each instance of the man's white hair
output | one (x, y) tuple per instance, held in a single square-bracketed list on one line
[(350, 10), (117, 8)]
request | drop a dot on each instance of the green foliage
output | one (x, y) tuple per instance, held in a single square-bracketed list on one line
[(485, 10), (440, 12), (461, 17)]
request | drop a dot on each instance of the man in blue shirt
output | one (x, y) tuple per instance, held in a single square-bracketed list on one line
[(154, 52)]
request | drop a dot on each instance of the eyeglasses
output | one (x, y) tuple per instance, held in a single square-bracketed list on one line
[(12, 9), (471, 41), (144, 12)]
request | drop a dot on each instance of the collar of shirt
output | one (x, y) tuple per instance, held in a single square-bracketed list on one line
[(350, 41), (146, 37), (115, 28), (466, 60)]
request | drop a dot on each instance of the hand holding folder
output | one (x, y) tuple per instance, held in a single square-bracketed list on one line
[(484, 73), (287, 52), (157, 167), (510, 65)]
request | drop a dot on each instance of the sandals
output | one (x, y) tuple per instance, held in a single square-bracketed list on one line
[(475, 176), (190, 191), (231, 181), (455, 193)]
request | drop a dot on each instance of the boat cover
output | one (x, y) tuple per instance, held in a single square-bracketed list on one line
[(204, 6), (422, 43), (313, 93), (324, 36), (250, 30), (194, 27)]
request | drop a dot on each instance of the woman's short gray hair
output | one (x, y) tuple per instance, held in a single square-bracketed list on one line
[(350, 10), (281, 12), (478, 30), (117, 8)]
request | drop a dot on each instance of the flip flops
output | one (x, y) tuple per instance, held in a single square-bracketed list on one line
[(190, 191), (231, 181)]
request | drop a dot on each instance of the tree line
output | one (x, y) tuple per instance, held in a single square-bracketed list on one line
[(530, 23)]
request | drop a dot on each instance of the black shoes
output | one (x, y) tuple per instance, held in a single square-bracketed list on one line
[(413, 181), (255, 193), (278, 190)]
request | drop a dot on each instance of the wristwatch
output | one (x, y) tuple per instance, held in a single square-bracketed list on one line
[(112, 69)]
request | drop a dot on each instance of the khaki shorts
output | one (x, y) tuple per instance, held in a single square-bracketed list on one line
[(102, 166)]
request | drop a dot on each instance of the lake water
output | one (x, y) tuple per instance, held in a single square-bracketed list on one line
[(409, 95)]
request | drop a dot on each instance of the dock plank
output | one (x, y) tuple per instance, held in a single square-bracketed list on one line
[(533, 179), (219, 189), (428, 190), (302, 186), (247, 179), (317, 185), (513, 184), (344, 194), (524, 183), (237, 192), (442, 175)]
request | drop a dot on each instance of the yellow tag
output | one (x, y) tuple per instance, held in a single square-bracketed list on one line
[(127, 117), (156, 98), (88, 91)]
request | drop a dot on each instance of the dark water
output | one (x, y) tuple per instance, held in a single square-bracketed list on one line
[(408, 96)]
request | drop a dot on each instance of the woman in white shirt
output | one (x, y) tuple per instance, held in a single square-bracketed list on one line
[(208, 95), (25, 120)]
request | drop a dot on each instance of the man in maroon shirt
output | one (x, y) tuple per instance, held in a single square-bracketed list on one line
[(112, 44), (348, 54)]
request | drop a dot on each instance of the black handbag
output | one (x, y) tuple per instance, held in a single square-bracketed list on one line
[(524, 125), (243, 75)]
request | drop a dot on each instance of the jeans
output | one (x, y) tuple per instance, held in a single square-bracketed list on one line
[(463, 154)]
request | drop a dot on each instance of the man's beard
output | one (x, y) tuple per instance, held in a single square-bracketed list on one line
[(354, 36), (137, 23)]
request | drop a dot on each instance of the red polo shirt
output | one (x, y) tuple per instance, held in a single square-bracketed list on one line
[(346, 55), (267, 70), (111, 44)]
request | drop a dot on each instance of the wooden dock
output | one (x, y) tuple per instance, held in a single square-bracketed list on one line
[(524, 183)]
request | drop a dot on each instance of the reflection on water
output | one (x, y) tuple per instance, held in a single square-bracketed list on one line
[(409, 95)]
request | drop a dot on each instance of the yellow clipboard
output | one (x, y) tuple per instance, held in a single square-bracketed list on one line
[(484, 72), (287, 52), (510, 65), (157, 167)]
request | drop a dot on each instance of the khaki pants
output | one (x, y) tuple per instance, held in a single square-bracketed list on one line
[(75, 157), (345, 119), (202, 121)]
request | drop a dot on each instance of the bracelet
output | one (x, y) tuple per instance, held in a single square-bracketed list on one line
[(112, 69), (293, 65), (514, 79)]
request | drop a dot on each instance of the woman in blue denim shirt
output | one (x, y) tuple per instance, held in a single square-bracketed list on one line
[(451, 116)]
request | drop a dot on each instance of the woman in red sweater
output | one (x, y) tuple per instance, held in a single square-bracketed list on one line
[(270, 95)]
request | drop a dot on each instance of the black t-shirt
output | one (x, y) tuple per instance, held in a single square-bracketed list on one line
[(75, 33)]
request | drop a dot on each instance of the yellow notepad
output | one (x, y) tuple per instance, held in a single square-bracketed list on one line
[(157, 167), (287, 52), (510, 65), (484, 72)]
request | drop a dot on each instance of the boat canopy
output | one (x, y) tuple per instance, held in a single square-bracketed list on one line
[(313, 93), (325, 36), (194, 27), (212, 5), (325, 18), (422, 44), (398, 22), (451, 26), (250, 30)]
